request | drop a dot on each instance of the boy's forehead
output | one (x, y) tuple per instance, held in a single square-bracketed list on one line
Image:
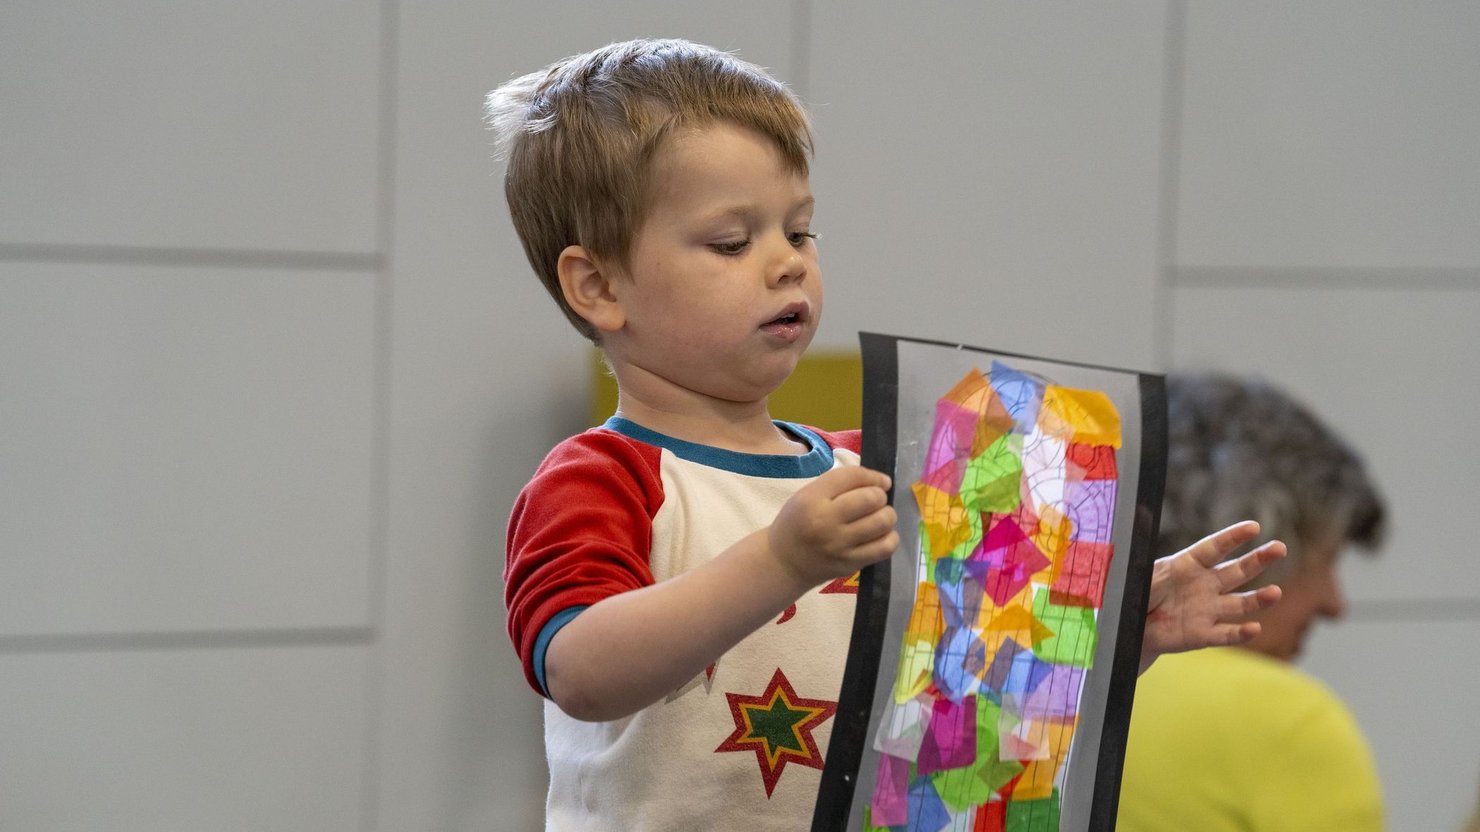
[(722, 156)]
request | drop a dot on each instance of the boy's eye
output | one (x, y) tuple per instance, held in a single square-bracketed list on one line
[(734, 247), (799, 238)]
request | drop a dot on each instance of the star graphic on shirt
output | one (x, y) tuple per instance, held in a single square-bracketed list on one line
[(846, 585), (777, 726)]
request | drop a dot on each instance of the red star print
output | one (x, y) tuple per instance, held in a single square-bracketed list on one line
[(777, 726), (847, 586)]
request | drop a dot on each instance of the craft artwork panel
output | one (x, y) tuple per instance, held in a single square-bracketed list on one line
[(983, 693)]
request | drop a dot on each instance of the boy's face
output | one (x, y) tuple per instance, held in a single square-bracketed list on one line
[(723, 292)]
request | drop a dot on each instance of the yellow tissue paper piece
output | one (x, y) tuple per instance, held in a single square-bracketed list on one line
[(1084, 416), (1052, 539), (916, 663), (926, 622), (946, 518), (1014, 622), (1038, 778)]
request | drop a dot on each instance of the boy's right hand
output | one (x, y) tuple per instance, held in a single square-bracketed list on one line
[(834, 526)]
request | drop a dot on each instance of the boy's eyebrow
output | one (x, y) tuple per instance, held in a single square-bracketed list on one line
[(746, 211)]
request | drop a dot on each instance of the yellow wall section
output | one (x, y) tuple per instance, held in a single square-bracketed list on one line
[(825, 391)]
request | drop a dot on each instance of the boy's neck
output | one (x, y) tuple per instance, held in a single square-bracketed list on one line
[(745, 427)]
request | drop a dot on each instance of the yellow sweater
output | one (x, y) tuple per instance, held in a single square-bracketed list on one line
[(1232, 741)]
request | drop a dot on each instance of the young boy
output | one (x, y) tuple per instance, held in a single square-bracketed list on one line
[(676, 577)]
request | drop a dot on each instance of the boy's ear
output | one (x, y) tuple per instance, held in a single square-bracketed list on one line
[(587, 286)]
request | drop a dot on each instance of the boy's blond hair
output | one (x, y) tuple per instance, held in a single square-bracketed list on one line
[(580, 134)]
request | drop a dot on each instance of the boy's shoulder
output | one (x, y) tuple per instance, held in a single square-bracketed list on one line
[(848, 440), (600, 447)]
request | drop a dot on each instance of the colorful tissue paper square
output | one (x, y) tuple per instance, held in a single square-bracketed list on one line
[(950, 738), (1033, 815), (1055, 696), (1027, 673), (998, 672), (987, 773), (1086, 416), (890, 802), (1017, 623), (960, 660), (946, 520), (1081, 580), (1093, 462), (1020, 393), (927, 810), (991, 817), (951, 438), (1075, 637), (960, 584), (1090, 507), (1037, 780), (993, 479)]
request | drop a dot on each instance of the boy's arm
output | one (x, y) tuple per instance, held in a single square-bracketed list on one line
[(631, 649), (1193, 604)]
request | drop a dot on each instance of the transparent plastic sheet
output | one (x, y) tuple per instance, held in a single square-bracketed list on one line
[(993, 659)]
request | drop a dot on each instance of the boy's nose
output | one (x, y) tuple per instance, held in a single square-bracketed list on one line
[(789, 268)]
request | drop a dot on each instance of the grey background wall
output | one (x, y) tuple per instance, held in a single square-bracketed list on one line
[(272, 366)]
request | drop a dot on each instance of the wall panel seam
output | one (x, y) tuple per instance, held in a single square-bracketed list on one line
[(109, 255), (383, 351), (55, 643), (1327, 277), (1175, 63)]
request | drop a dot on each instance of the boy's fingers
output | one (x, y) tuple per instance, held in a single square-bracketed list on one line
[(1265, 597), (848, 477), (1215, 547), (1244, 569), (873, 525), (1233, 635), (1245, 633), (1244, 604), (860, 502), (876, 549)]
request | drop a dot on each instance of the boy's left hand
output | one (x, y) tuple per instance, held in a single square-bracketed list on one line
[(1192, 600)]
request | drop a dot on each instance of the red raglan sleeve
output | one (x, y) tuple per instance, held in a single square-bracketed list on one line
[(580, 531), (848, 440)]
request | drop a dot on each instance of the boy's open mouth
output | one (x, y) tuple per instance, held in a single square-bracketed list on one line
[(795, 313), (789, 325)]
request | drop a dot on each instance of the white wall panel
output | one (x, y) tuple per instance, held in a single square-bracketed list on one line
[(1411, 685), (177, 123), (248, 739), (1396, 374), (183, 448), (988, 173), (487, 377), (1331, 134)]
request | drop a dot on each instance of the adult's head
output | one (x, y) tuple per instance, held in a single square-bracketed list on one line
[(580, 136), (1242, 449)]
